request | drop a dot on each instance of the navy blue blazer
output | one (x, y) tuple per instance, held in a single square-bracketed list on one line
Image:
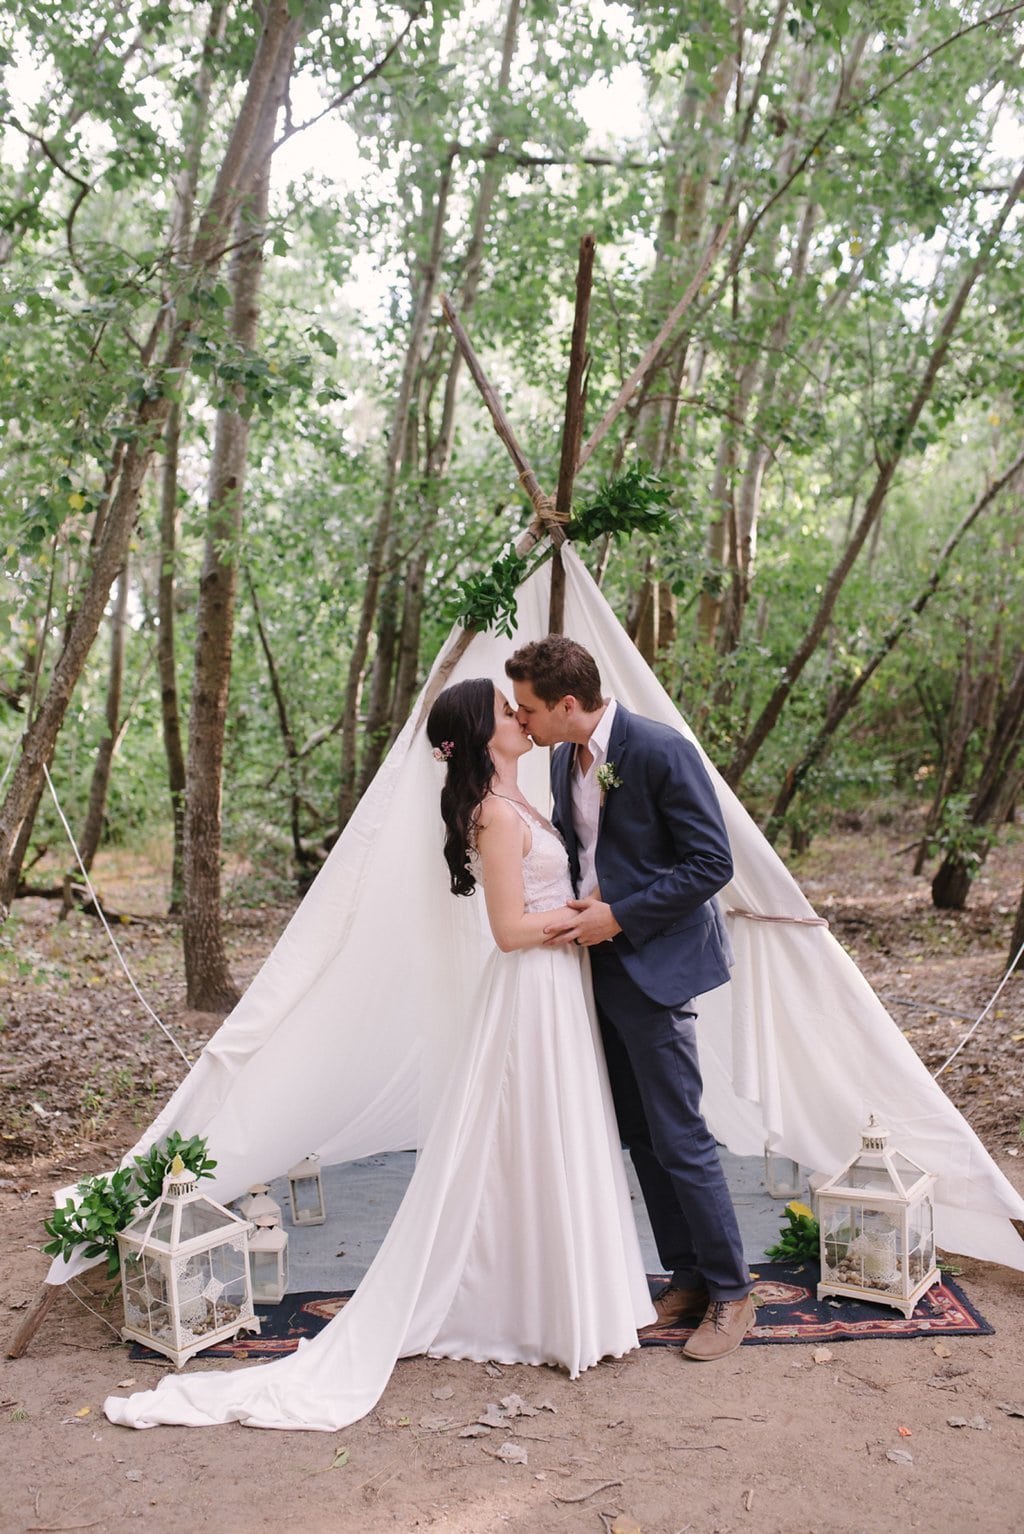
[(662, 854)]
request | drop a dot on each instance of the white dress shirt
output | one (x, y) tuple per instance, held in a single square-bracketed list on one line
[(586, 798)]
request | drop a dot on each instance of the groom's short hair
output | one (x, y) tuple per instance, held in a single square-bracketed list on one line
[(556, 667)]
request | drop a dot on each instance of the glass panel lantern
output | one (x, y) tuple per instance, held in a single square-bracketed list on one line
[(782, 1175), (307, 1192), (185, 1271), (256, 1204), (268, 1262), (877, 1227)]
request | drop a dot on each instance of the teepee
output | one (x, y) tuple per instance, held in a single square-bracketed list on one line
[(339, 1045)]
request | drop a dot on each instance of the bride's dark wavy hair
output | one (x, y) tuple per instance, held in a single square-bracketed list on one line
[(460, 725)]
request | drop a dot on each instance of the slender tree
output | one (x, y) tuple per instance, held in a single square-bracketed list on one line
[(892, 452), (999, 783), (145, 425), (100, 782), (846, 697)]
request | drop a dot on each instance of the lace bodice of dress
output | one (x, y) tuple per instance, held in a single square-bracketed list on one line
[(546, 881)]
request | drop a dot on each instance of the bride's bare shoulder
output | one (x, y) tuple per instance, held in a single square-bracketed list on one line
[(493, 810)]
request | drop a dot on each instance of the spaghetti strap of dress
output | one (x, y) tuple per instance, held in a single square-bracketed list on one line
[(528, 812)]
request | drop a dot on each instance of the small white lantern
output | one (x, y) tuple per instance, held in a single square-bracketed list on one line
[(268, 1261), (185, 1271), (878, 1227), (307, 1192), (256, 1205), (782, 1175)]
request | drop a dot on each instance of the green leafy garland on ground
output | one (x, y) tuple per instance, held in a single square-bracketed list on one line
[(107, 1203)]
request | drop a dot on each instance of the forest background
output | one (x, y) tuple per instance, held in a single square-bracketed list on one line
[(244, 476)]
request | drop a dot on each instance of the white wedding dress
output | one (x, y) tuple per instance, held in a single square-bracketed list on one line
[(515, 1240)]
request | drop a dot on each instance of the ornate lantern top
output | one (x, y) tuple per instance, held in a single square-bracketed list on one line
[(180, 1215), (180, 1180), (878, 1171)]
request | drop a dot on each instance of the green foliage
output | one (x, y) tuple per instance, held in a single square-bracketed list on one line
[(106, 1204), (957, 836), (799, 1237), (783, 392), (635, 501), (152, 1167), (488, 600)]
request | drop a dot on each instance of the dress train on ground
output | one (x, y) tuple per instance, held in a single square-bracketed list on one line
[(515, 1240)]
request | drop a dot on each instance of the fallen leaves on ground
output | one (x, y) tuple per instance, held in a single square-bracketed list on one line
[(512, 1454)]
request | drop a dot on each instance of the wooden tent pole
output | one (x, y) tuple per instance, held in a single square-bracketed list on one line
[(571, 434), (33, 1321), (502, 425), (575, 387), (650, 356), (572, 429)]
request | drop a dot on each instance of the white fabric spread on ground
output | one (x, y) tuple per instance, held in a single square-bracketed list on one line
[(343, 1040)]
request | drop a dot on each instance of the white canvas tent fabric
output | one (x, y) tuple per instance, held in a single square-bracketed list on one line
[(341, 1041)]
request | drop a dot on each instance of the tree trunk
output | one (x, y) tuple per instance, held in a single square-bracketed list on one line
[(845, 698), (439, 452), (208, 979), (93, 830), (41, 736), (376, 562), (1015, 959), (291, 754), (234, 178), (953, 728), (998, 786), (169, 709), (181, 229)]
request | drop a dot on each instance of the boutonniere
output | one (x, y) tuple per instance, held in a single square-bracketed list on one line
[(607, 778)]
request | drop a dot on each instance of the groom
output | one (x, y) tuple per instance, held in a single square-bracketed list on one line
[(648, 851)]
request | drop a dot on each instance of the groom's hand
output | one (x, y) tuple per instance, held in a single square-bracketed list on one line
[(594, 924)]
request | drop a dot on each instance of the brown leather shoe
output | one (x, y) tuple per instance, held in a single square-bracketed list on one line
[(675, 1305), (722, 1330)]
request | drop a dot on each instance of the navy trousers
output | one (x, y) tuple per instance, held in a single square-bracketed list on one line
[(656, 1085)]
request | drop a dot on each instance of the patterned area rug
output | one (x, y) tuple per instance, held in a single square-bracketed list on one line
[(787, 1311)]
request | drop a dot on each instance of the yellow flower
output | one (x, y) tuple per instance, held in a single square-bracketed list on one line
[(76, 501), (801, 1209)]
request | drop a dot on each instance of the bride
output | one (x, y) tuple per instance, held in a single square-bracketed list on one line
[(515, 1240)]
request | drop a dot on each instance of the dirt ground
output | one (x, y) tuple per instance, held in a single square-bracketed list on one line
[(773, 1440)]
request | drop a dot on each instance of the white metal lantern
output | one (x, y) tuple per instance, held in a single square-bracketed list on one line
[(268, 1261), (256, 1205), (877, 1227), (185, 1271), (782, 1175), (307, 1192)]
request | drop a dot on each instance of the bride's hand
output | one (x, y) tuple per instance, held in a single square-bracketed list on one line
[(561, 928)]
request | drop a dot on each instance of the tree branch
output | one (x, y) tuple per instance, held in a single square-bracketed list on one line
[(371, 74)]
